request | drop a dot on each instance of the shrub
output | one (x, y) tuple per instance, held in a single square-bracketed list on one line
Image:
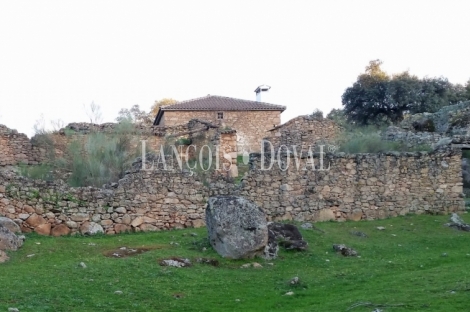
[(183, 141), (424, 125), (103, 158), (317, 114)]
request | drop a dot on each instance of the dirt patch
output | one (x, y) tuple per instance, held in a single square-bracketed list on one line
[(123, 252), (178, 295)]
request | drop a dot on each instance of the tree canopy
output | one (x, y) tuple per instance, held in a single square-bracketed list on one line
[(137, 115), (376, 97), (163, 102)]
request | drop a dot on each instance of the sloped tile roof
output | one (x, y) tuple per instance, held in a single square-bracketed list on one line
[(222, 103)]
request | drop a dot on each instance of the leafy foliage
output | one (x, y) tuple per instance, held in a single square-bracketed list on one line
[(338, 116), (134, 115), (163, 102), (139, 116), (317, 114), (378, 98)]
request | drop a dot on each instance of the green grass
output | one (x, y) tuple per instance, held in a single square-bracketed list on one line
[(42, 171), (373, 143), (403, 264)]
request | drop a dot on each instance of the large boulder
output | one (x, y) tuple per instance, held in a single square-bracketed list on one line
[(9, 240), (284, 235), (237, 227), (60, 230), (10, 224)]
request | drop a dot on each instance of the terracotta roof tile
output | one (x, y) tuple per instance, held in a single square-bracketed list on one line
[(215, 102)]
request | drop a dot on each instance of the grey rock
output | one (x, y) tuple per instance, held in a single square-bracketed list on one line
[(237, 227), (307, 226), (344, 250), (284, 235), (82, 265), (457, 223), (10, 224), (294, 281), (9, 240), (358, 233)]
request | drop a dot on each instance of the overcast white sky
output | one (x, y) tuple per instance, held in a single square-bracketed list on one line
[(56, 56)]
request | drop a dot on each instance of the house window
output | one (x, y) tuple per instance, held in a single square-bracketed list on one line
[(220, 115)]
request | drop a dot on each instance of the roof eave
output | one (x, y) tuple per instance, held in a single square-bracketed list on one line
[(282, 108)]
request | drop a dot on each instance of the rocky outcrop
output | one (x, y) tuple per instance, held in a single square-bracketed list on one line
[(450, 120), (237, 227)]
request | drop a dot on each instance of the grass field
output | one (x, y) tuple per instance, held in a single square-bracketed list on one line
[(415, 264)]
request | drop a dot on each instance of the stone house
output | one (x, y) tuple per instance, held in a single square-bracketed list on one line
[(250, 119)]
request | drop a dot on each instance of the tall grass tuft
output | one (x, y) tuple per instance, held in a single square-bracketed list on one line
[(103, 157)]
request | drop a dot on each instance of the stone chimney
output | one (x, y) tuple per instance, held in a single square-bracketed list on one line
[(259, 90)]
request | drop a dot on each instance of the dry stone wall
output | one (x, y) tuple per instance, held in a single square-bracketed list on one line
[(16, 148), (142, 201), (304, 131), (361, 186)]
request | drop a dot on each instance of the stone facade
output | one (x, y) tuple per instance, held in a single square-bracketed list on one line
[(251, 126)]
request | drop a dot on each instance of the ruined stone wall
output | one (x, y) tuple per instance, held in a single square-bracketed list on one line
[(251, 126), (142, 201), (361, 186), (228, 153), (304, 131), (16, 148)]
